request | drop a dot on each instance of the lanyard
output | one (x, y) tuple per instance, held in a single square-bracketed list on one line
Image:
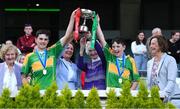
[(43, 62), (120, 72)]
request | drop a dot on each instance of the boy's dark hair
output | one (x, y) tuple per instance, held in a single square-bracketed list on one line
[(43, 31), (118, 40), (27, 25)]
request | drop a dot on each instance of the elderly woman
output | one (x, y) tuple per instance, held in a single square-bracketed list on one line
[(10, 76), (162, 69)]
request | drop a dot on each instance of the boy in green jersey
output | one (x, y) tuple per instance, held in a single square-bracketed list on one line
[(119, 66), (41, 63)]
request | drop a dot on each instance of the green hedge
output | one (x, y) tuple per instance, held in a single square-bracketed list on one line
[(30, 97)]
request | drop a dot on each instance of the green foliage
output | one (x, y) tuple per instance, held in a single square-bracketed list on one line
[(111, 99), (61, 102), (142, 96), (28, 97), (78, 101), (126, 99), (93, 100), (169, 106), (36, 98), (66, 97), (23, 97), (50, 97), (142, 92), (5, 100), (155, 92), (155, 101)]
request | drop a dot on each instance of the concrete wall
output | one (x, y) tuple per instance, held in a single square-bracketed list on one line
[(129, 18)]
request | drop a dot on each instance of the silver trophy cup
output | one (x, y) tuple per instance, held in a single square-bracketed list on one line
[(85, 14)]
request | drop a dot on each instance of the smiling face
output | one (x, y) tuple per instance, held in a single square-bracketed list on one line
[(10, 56), (68, 52), (154, 47), (118, 49), (176, 36), (42, 41), (93, 54)]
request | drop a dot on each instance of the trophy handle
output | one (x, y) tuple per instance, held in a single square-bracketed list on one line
[(84, 22)]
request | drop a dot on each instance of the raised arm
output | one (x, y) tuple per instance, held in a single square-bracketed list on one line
[(100, 54), (100, 34), (82, 46), (80, 63), (69, 31)]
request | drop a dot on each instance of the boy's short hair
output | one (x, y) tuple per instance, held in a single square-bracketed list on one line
[(43, 31), (27, 25), (118, 40)]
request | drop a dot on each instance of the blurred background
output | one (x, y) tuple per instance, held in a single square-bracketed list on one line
[(118, 17)]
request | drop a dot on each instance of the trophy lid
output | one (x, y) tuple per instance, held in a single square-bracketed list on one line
[(87, 13)]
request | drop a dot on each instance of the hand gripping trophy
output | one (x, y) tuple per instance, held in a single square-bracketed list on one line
[(83, 29)]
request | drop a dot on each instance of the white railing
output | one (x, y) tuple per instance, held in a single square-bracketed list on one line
[(101, 93)]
